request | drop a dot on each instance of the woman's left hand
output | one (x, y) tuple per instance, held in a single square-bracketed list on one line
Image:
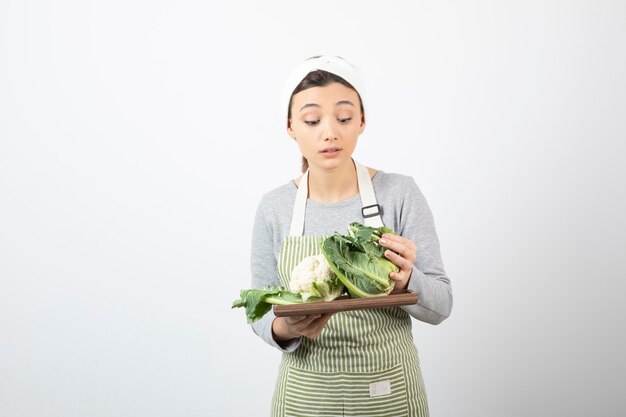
[(402, 252)]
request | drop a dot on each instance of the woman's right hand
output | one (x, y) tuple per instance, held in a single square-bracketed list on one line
[(287, 328)]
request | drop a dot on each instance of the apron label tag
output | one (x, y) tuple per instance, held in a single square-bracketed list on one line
[(380, 388)]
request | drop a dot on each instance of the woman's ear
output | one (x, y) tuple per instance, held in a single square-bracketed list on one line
[(362, 127), (290, 130)]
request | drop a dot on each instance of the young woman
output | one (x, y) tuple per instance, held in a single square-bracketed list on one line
[(357, 363)]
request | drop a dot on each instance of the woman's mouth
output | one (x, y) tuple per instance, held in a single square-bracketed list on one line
[(330, 152)]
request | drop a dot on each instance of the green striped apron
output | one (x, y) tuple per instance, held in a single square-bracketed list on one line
[(364, 362)]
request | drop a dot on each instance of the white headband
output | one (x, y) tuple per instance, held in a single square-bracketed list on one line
[(332, 64)]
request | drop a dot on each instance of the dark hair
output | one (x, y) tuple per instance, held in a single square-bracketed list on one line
[(320, 78)]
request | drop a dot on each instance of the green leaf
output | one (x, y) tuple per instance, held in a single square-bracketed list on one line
[(258, 302), (358, 260)]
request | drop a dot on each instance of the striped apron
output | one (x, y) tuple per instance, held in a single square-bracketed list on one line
[(364, 362)]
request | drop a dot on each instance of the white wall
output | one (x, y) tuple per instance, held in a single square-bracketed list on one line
[(136, 138)]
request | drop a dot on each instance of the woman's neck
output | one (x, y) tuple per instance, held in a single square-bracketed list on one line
[(330, 186)]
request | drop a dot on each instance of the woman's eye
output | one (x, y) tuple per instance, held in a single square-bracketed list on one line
[(311, 122), (345, 120)]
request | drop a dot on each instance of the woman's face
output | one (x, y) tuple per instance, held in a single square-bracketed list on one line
[(326, 122)]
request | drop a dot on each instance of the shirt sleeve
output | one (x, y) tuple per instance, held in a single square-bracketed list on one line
[(263, 270), (428, 279)]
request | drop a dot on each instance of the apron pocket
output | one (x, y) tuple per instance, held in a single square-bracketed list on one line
[(380, 393)]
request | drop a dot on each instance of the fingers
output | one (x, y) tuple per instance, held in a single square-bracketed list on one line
[(301, 320), (400, 245), (403, 253), (310, 326), (401, 278), (318, 325), (402, 262)]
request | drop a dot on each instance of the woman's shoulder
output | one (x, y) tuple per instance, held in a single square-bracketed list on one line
[(280, 196), (392, 179), (395, 188)]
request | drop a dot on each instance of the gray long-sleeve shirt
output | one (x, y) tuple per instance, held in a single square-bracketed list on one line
[(405, 211)]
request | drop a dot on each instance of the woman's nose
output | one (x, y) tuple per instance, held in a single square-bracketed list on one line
[(330, 131)]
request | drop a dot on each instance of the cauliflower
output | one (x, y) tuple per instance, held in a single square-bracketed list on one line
[(312, 277)]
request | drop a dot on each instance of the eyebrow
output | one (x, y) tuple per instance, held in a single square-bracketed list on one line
[(336, 104)]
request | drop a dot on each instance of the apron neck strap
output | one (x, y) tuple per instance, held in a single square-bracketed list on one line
[(370, 209), (299, 207)]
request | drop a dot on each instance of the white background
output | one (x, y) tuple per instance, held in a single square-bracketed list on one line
[(137, 137)]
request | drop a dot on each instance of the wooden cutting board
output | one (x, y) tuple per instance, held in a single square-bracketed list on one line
[(345, 303)]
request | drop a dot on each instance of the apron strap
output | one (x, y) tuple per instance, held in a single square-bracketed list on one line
[(299, 207), (371, 210)]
